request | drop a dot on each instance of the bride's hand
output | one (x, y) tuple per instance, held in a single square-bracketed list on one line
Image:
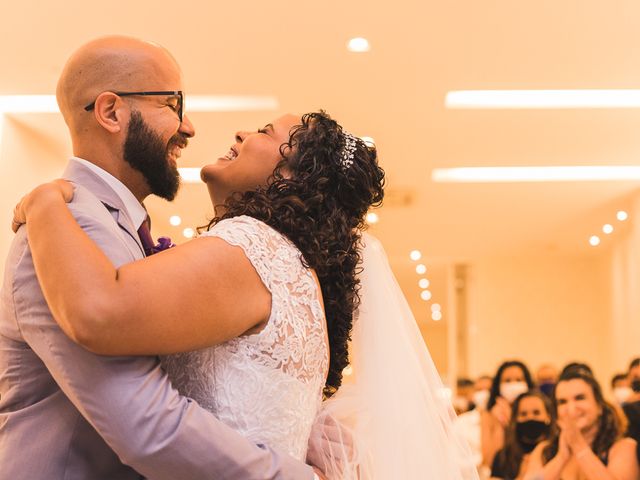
[(47, 192)]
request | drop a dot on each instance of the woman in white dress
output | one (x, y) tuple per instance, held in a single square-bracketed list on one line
[(253, 317)]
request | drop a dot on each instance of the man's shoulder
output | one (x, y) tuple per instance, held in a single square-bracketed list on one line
[(86, 202), (92, 214)]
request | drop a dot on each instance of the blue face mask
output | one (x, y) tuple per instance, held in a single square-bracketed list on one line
[(547, 388)]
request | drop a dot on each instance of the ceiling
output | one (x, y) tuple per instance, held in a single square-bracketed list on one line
[(420, 50)]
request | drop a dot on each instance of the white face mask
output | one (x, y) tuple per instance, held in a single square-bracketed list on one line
[(622, 394), (510, 390), (480, 399)]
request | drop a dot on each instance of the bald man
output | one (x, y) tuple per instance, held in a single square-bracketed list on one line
[(66, 413)]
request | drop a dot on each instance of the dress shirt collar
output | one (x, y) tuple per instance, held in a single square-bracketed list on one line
[(136, 211)]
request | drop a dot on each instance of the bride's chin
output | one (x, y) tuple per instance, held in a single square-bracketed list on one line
[(207, 173)]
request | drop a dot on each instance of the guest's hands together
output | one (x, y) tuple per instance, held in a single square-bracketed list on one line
[(564, 452), (502, 411), (570, 432), (47, 192)]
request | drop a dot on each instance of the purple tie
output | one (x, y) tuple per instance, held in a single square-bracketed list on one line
[(145, 238)]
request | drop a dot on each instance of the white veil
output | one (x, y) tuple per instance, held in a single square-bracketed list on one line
[(394, 421)]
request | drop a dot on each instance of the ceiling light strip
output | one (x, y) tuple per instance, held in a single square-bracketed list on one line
[(535, 174), (506, 99)]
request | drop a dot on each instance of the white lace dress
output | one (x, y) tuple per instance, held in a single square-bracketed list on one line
[(268, 385)]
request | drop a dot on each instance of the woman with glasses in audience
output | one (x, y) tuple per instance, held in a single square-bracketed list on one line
[(589, 444), (511, 379), (531, 422)]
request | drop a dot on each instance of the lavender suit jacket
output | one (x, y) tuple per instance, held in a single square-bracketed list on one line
[(66, 413)]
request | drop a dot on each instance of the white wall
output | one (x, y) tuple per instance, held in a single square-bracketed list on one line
[(625, 281), (540, 309), (26, 160)]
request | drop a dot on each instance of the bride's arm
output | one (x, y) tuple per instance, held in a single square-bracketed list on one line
[(195, 295)]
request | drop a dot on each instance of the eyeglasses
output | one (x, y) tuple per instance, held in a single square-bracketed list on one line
[(178, 93)]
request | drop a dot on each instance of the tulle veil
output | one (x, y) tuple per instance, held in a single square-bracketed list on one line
[(392, 421)]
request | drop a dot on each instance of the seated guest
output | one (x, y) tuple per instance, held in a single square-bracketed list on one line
[(632, 406), (531, 422), (511, 379), (589, 444), (468, 423), (463, 401), (621, 388), (574, 365), (546, 377), (482, 391)]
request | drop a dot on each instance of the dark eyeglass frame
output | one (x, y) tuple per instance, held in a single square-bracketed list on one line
[(179, 93)]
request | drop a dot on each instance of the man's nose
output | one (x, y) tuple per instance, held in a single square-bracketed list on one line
[(186, 127)]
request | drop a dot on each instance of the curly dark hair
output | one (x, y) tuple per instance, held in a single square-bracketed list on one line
[(510, 457), (494, 393), (610, 424), (320, 205)]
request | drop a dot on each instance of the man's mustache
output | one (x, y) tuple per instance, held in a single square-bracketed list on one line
[(178, 139)]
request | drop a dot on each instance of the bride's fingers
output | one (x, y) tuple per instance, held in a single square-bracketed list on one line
[(63, 187), (18, 216), (66, 188)]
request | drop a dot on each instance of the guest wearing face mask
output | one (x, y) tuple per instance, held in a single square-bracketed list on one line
[(468, 423), (463, 401), (632, 406), (482, 391), (511, 380), (531, 422), (621, 388), (590, 443), (546, 377)]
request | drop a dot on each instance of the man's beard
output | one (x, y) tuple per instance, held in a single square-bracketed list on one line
[(145, 151)]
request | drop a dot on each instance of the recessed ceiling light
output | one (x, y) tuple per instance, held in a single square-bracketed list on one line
[(543, 99), (535, 174), (425, 295), (372, 218), (436, 315), (594, 241), (421, 269), (358, 44), (607, 228), (435, 307), (415, 255), (622, 215), (348, 370), (188, 233), (423, 283), (175, 220)]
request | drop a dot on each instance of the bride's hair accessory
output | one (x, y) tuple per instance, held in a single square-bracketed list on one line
[(348, 150)]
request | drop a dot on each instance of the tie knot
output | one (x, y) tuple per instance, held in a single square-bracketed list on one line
[(145, 237)]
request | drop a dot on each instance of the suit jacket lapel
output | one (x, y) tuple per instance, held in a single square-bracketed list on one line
[(78, 173)]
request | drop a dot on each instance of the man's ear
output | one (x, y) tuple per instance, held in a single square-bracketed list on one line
[(111, 112)]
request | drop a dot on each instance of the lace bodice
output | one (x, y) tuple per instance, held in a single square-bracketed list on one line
[(268, 385)]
